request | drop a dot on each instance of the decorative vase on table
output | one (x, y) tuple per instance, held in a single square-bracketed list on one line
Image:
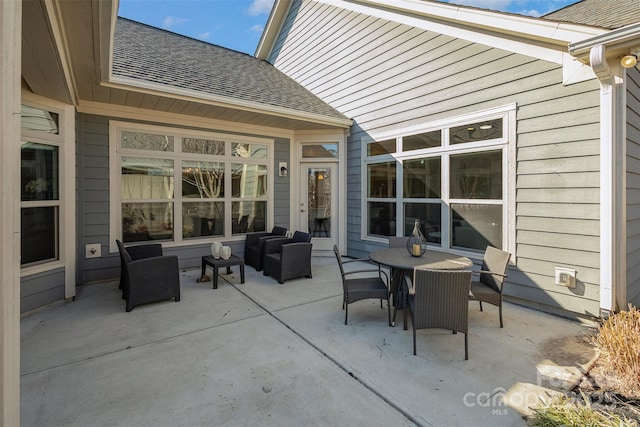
[(215, 249), (225, 252), (417, 243)]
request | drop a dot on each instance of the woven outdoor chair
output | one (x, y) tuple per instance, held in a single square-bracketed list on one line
[(360, 288), (286, 259), (147, 275), (395, 281), (439, 299), (492, 276), (254, 246)]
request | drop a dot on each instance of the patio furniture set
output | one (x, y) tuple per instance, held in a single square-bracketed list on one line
[(434, 289), (146, 275)]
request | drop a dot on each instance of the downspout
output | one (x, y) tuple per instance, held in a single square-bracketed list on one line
[(612, 189)]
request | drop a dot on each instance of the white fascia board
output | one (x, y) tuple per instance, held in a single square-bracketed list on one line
[(140, 86), (107, 17), (134, 113), (534, 37), (62, 46), (272, 28)]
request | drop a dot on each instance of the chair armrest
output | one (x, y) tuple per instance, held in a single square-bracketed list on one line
[(253, 238), (274, 244), (294, 252), (367, 260), (488, 272), (370, 270)]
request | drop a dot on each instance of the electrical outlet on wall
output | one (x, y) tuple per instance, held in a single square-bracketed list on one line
[(565, 277), (93, 250)]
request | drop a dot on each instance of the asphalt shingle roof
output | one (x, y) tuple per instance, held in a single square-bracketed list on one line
[(609, 14), (157, 56)]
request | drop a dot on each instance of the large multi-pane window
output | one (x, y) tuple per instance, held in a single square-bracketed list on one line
[(179, 187), (449, 178), (39, 187)]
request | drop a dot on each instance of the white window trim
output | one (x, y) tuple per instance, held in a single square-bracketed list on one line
[(65, 141), (115, 198), (507, 144)]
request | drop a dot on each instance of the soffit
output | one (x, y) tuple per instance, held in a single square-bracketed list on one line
[(85, 41), (42, 68)]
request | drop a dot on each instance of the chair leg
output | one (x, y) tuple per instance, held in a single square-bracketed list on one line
[(414, 339), (480, 305), (466, 347), (500, 312), (381, 303), (395, 310), (346, 313), (389, 310)]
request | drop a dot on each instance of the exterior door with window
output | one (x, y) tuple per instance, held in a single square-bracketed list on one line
[(318, 203)]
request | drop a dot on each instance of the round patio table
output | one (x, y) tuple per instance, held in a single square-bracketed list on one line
[(399, 258), (401, 262)]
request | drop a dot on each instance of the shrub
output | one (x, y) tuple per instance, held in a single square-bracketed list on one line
[(618, 340)]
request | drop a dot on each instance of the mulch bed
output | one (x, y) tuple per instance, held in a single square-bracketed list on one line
[(593, 390)]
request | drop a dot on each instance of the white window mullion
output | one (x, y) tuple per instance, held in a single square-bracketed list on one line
[(445, 205)]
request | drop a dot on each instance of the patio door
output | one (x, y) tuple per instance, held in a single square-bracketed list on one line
[(319, 202)]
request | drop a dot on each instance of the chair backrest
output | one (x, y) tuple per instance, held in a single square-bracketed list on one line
[(278, 231), (398, 242), (441, 299), (301, 237), (496, 261), (125, 258), (339, 258)]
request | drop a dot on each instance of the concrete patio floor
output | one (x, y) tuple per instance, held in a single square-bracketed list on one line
[(262, 353)]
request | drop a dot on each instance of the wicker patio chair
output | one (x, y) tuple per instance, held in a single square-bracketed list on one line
[(287, 259), (254, 246), (360, 288), (395, 281), (491, 281), (439, 299), (147, 275)]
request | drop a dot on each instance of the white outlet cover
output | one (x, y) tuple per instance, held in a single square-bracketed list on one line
[(93, 250), (565, 277)]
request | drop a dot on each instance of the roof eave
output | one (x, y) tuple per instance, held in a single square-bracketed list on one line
[(618, 42), (536, 30), (540, 29), (272, 28), (140, 86)]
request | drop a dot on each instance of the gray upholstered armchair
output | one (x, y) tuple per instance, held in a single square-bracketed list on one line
[(254, 246), (146, 275), (287, 259)]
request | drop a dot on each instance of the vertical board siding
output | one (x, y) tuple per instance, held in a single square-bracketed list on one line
[(388, 76), (93, 202), (633, 187)]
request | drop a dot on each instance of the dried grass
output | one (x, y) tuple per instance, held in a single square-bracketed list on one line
[(568, 412), (618, 340)]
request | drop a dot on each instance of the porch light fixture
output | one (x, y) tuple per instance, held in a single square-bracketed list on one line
[(283, 169), (629, 61)]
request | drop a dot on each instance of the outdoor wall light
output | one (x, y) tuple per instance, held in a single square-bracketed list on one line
[(283, 169), (629, 61)]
